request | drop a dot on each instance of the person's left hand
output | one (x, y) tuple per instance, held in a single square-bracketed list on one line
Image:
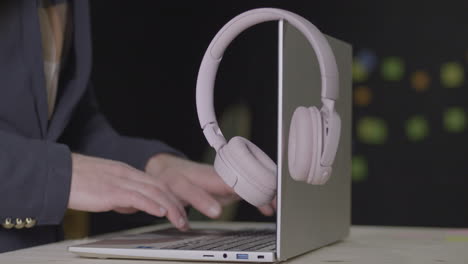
[(196, 184)]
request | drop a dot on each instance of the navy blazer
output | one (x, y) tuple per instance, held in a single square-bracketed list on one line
[(35, 153)]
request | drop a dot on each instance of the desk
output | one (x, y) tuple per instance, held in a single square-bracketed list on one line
[(365, 245)]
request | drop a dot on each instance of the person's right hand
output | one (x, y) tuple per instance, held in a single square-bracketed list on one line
[(100, 185)]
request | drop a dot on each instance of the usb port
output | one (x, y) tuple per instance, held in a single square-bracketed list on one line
[(242, 256), (260, 257)]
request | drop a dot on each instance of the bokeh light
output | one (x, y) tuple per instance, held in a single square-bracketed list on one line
[(359, 169), (362, 96), (420, 81), (372, 130), (367, 59), (417, 128), (452, 75), (360, 73), (392, 69), (455, 120)]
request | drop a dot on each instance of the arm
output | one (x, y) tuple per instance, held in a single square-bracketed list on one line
[(40, 179), (34, 179)]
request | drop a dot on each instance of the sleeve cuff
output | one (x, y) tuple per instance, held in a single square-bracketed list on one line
[(57, 191)]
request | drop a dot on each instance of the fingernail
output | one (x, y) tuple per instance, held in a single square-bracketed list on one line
[(181, 222), (162, 210), (214, 211)]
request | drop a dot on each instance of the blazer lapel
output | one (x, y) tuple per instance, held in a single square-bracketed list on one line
[(34, 60)]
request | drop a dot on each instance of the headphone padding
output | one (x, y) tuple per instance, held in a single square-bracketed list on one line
[(300, 144), (314, 176), (254, 171), (304, 146), (224, 170)]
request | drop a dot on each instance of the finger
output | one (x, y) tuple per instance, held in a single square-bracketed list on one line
[(206, 177), (151, 181), (227, 199), (131, 199), (273, 203), (197, 197), (266, 210), (138, 177), (174, 213), (178, 202), (146, 179), (125, 210)]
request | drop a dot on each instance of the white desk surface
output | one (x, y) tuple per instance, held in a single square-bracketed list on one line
[(365, 245)]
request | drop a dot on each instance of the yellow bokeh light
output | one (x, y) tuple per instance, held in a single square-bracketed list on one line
[(392, 68), (372, 130), (360, 73), (452, 74)]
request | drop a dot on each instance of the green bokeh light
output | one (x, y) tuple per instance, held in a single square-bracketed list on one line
[(452, 75), (359, 169), (360, 73), (455, 120), (392, 69), (372, 130), (417, 128)]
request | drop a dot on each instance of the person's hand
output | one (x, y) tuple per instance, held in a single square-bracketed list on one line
[(268, 209), (196, 184), (100, 185)]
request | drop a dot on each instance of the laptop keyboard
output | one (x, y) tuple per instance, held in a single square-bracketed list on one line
[(246, 240)]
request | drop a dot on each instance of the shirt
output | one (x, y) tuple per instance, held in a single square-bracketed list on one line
[(53, 18)]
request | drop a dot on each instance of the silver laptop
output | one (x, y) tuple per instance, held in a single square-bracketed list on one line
[(308, 217)]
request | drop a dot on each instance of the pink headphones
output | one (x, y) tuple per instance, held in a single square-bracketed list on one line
[(314, 134)]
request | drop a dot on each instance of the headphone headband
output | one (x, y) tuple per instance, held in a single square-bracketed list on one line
[(213, 55)]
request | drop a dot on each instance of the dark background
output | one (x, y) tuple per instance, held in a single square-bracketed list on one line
[(146, 59)]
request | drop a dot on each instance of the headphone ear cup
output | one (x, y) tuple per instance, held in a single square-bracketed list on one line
[(304, 146), (247, 169)]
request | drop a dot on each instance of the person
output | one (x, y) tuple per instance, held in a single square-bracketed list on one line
[(58, 151)]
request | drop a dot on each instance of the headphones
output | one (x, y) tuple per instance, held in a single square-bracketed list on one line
[(313, 135)]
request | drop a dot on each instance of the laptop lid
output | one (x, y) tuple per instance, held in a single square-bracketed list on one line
[(311, 216)]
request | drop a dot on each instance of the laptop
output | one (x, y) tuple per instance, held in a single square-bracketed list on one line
[(308, 216)]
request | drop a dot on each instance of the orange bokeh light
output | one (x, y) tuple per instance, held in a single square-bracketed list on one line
[(420, 81), (362, 96)]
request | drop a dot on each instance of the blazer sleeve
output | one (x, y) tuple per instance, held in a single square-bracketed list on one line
[(34, 179), (90, 133)]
